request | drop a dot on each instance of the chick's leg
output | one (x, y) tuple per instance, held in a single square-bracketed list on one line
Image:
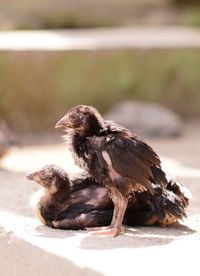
[(115, 212), (113, 230), (114, 218), (105, 229), (116, 228)]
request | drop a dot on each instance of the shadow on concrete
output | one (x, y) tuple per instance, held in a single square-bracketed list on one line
[(47, 232), (137, 238)]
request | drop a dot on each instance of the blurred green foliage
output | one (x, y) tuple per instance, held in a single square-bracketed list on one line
[(192, 16), (62, 20), (185, 2), (52, 14), (37, 88)]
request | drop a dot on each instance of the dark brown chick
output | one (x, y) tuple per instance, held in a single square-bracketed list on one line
[(71, 204), (114, 156)]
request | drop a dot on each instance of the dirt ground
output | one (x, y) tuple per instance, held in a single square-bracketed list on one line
[(170, 247)]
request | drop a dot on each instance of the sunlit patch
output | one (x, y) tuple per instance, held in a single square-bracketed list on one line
[(17, 223), (29, 159), (174, 167), (35, 198)]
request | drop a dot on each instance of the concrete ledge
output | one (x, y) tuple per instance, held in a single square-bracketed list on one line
[(20, 257), (28, 248), (101, 39)]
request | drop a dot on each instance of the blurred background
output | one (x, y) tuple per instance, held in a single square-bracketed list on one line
[(153, 90), (37, 87)]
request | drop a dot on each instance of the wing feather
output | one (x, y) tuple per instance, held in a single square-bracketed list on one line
[(130, 158)]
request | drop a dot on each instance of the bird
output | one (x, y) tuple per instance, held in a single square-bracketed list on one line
[(78, 202), (114, 156), (72, 204), (7, 138)]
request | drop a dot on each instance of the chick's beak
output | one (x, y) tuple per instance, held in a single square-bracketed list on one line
[(61, 123), (30, 176)]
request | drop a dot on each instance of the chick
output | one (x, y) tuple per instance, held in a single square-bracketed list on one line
[(67, 204), (114, 156)]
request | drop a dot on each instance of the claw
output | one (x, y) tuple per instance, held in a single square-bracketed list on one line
[(91, 229), (108, 231)]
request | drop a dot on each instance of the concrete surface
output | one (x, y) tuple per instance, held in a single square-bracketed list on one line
[(100, 39), (29, 248)]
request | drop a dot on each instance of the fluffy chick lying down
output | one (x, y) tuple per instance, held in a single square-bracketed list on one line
[(70, 204), (80, 202)]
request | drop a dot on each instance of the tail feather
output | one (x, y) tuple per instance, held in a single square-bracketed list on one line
[(171, 203), (178, 189), (159, 176)]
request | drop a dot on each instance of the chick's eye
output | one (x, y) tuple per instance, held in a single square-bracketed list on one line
[(43, 178), (74, 116), (51, 177), (83, 119)]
